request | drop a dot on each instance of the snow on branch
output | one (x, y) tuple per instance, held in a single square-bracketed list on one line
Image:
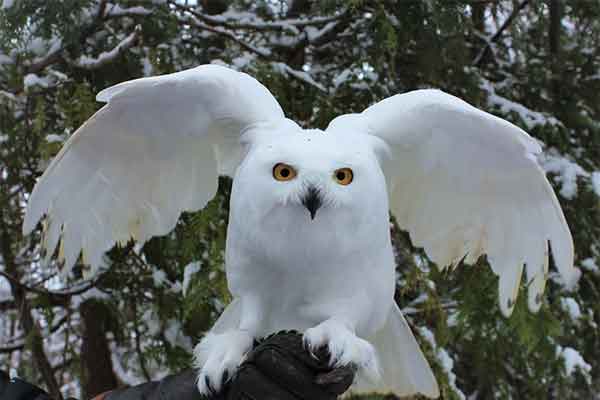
[(286, 70), (13, 347), (263, 52), (529, 117), (53, 56), (236, 20), (315, 34), (567, 172), (108, 56), (116, 11)]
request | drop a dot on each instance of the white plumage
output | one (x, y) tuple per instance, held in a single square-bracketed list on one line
[(462, 182)]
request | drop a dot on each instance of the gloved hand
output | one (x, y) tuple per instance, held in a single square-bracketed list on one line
[(278, 368)]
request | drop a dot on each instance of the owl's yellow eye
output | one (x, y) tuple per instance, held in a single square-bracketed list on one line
[(283, 172), (343, 176)]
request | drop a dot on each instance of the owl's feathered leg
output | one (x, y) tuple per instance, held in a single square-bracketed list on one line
[(344, 347), (221, 351)]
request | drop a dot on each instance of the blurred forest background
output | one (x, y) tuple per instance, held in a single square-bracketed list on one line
[(535, 63)]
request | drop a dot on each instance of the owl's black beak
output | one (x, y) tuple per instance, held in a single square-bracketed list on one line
[(312, 201)]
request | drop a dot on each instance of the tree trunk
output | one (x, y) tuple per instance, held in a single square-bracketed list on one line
[(28, 324), (97, 372), (554, 34), (478, 16)]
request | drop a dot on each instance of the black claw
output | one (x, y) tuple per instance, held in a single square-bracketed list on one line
[(324, 355), (225, 378), (209, 386)]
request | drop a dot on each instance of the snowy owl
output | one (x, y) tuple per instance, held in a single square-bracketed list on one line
[(308, 241)]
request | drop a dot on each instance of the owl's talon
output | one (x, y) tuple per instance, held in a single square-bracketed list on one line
[(209, 387), (225, 378), (344, 348), (218, 356)]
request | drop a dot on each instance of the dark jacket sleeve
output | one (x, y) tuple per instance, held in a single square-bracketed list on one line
[(18, 389), (174, 387), (278, 368)]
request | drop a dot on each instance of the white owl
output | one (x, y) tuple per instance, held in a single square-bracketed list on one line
[(308, 242)]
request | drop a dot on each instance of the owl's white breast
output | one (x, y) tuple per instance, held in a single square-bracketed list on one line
[(307, 269)]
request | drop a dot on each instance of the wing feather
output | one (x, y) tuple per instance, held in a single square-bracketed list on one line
[(465, 183), (145, 157)]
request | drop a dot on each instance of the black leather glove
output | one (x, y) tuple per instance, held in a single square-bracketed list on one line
[(17, 389), (278, 368)]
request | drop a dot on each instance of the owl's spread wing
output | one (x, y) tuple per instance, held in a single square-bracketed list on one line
[(156, 149), (466, 183)]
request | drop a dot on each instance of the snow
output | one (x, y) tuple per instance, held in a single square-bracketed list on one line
[(364, 72), (596, 182), (8, 95), (589, 264), (574, 361), (107, 56), (445, 360), (452, 320), (148, 67), (174, 335), (571, 306), (93, 293), (115, 10), (286, 70), (569, 285), (422, 298), (342, 77), (5, 293), (150, 318), (567, 172), (58, 75), (188, 271), (31, 80), (241, 62), (315, 34), (43, 48), (159, 277), (124, 373), (529, 117), (54, 138)]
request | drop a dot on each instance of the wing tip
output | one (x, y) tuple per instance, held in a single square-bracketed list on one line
[(30, 220), (103, 96), (28, 226), (432, 391)]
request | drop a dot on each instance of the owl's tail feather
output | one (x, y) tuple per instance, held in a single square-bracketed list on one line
[(230, 318), (405, 370)]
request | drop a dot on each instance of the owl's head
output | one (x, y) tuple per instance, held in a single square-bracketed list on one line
[(312, 175)]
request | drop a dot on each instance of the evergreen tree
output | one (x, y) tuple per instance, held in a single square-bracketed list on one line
[(534, 63)]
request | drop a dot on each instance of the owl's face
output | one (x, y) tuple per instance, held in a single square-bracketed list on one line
[(307, 178)]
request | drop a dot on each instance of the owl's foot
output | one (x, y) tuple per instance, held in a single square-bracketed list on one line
[(344, 348), (218, 356)]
